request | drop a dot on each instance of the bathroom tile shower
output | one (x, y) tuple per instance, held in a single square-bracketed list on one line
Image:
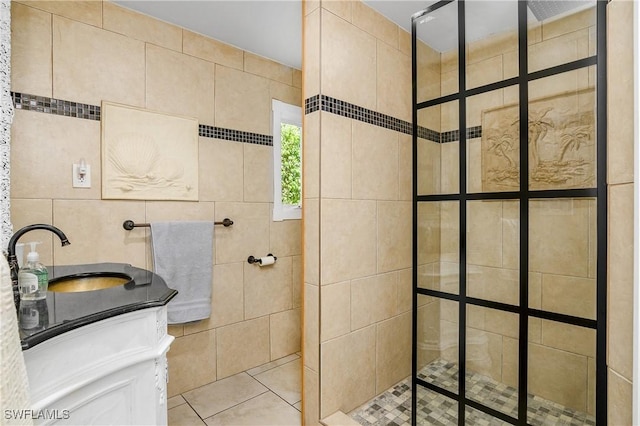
[(510, 223)]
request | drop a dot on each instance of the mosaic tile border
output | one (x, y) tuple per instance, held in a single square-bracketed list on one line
[(311, 104), (428, 134), (393, 407), (234, 135), (48, 105), (54, 106), (349, 110)]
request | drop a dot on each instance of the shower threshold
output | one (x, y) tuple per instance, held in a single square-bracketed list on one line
[(393, 407)]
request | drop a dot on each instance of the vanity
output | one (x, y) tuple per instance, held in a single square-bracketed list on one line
[(98, 356)]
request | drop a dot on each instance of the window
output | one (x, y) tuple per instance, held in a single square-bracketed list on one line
[(287, 161)]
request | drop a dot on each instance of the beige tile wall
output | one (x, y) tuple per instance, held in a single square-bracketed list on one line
[(93, 51), (311, 225), (620, 152), (357, 225)]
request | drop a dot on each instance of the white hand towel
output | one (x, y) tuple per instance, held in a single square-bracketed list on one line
[(183, 256), (14, 386)]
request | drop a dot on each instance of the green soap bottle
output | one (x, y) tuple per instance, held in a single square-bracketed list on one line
[(33, 277)]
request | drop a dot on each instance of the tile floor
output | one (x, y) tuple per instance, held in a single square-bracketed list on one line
[(265, 395), (393, 407), (270, 395)]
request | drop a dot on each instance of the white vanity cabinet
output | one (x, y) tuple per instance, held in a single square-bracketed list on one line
[(113, 371)]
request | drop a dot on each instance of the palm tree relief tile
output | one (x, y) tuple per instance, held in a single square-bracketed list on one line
[(562, 148)]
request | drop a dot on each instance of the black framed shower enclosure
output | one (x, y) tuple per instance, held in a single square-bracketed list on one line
[(528, 203)]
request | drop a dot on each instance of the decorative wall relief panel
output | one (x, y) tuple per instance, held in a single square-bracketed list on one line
[(148, 155), (562, 151)]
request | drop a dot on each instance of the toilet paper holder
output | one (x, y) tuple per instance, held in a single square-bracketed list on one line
[(253, 260)]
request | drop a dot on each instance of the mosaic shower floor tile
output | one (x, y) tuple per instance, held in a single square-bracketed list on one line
[(393, 407)]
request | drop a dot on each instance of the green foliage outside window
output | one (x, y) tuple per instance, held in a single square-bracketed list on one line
[(291, 160)]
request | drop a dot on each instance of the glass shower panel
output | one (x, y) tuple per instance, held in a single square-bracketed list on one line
[(492, 50), (435, 409), (562, 256), (438, 246), (560, 32), (428, 176), (437, 336), (522, 334), (437, 53), (561, 374), (492, 358), (562, 131), (493, 250), (438, 148), (493, 141)]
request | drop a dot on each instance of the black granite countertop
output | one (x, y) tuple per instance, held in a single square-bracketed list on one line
[(61, 312)]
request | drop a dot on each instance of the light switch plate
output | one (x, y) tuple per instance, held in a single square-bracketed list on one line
[(85, 181)]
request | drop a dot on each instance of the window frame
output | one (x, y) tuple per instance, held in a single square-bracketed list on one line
[(284, 113)]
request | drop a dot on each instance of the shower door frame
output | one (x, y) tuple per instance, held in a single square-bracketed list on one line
[(524, 194)]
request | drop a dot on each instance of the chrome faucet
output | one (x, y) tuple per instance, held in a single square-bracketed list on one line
[(13, 260)]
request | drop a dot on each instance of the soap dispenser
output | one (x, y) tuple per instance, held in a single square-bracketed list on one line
[(33, 277)]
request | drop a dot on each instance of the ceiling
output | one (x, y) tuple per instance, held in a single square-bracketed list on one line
[(273, 28), (269, 28)]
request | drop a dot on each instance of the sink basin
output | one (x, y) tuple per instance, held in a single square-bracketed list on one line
[(89, 281)]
